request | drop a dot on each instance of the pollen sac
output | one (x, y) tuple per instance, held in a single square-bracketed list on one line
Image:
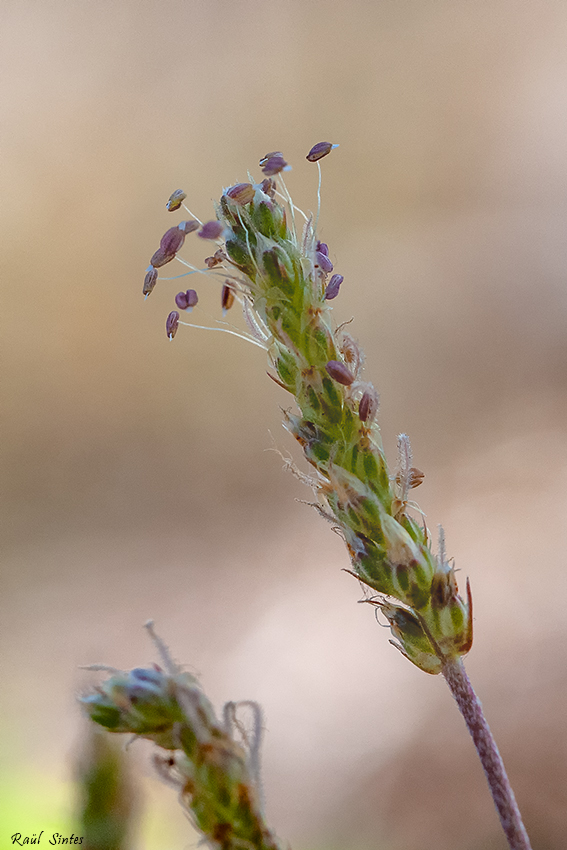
[(171, 324), (172, 240), (217, 258), (368, 405), (273, 163), (186, 300), (150, 280), (268, 187), (323, 262), (241, 193), (227, 297), (332, 288), (175, 200), (161, 257), (323, 248), (320, 150), (188, 226), (211, 230), (339, 372)]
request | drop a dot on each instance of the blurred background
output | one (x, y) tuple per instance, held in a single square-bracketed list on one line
[(137, 476)]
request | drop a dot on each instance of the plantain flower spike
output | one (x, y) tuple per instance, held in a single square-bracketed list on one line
[(279, 273)]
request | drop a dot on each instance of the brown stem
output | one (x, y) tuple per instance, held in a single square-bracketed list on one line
[(502, 794)]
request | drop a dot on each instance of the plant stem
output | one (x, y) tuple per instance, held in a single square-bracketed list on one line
[(491, 760)]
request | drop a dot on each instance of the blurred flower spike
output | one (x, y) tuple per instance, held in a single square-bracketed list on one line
[(217, 776), (271, 262)]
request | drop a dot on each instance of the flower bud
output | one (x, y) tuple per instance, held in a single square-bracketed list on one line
[(227, 297), (175, 200), (186, 300), (171, 324), (368, 405), (211, 230), (241, 193), (172, 240), (323, 262), (332, 288), (320, 150), (188, 226), (339, 372), (150, 281)]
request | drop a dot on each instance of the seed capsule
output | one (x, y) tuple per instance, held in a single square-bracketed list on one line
[(188, 226), (339, 372), (150, 280), (186, 300), (171, 324), (227, 298), (320, 150), (241, 194), (175, 200), (332, 289), (211, 230), (368, 405)]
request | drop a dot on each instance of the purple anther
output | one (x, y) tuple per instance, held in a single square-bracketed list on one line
[(368, 405), (274, 164), (320, 150), (175, 200), (241, 193), (171, 324), (211, 230), (161, 257), (150, 280), (172, 240), (188, 226), (268, 187), (332, 288), (186, 300), (323, 248), (339, 372), (323, 262), (227, 297)]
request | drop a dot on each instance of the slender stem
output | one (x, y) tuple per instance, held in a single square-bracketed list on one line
[(491, 760)]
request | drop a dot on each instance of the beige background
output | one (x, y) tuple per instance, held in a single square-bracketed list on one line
[(135, 477)]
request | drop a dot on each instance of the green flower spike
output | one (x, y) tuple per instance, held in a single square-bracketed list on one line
[(279, 275), (217, 777)]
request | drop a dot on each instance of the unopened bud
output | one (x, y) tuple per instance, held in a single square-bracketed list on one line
[(188, 226), (227, 298), (320, 150), (172, 240), (332, 288), (175, 200), (161, 257), (368, 405), (339, 372), (211, 230), (186, 300), (150, 280), (171, 324), (241, 194), (323, 262)]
